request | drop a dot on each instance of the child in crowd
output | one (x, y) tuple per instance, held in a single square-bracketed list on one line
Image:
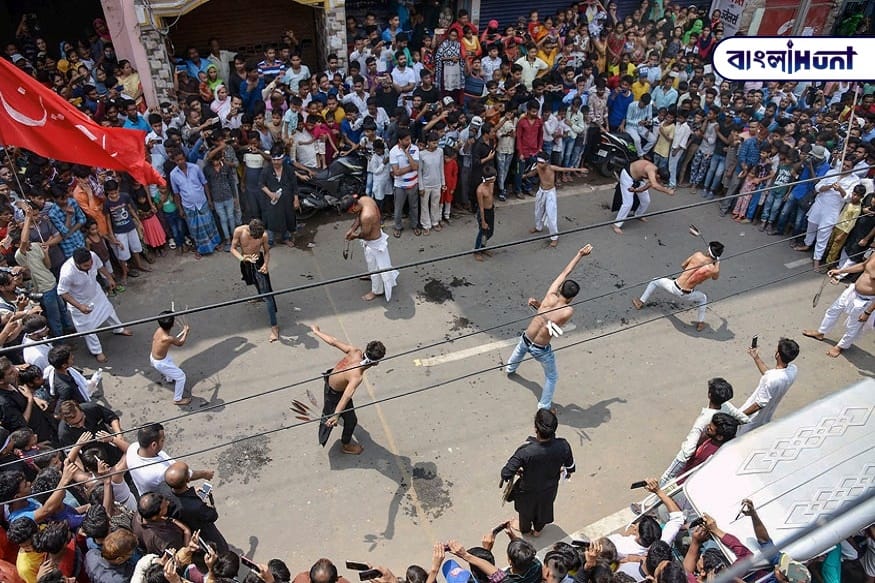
[(97, 244), (378, 173), (153, 232), (846, 222), (753, 178), (451, 179)]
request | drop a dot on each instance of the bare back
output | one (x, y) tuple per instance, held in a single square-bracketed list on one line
[(865, 284), (537, 330), (369, 219), (161, 343), (641, 169), (698, 268), (338, 382)]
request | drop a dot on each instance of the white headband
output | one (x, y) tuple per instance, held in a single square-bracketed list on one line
[(367, 360), (491, 179), (711, 253)]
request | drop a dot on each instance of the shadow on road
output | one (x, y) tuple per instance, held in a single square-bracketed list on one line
[(686, 325), (420, 488)]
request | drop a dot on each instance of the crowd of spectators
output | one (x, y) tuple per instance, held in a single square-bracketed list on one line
[(497, 97)]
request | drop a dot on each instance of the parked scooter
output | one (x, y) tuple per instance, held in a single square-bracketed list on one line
[(615, 152), (345, 175)]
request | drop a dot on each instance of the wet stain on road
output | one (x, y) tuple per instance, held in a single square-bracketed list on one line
[(460, 282), (460, 323), (432, 492), (244, 460), (436, 292)]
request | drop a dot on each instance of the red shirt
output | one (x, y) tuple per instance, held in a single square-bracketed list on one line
[(705, 450), (529, 136)]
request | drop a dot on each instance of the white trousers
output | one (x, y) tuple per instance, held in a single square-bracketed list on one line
[(545, 212), (641, 134), (819, 235), (169, 370), (668, 285), (430, 207), (629, 199), (852, 304), (377, 257), (101, 313)]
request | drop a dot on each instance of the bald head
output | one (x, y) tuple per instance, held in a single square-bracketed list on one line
[(176, 475)]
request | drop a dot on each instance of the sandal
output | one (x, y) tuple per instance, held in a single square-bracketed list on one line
[(172, 244), (417, 232), (396, 233)]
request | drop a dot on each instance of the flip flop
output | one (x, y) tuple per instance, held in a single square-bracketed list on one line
[(417, 232), (396, 233)]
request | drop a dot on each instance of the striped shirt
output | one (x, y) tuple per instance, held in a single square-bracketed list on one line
[(398, 159)]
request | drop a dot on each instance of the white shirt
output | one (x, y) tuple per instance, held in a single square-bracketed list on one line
[(147, 478), (293, 79), (774, 384), (305, 153), (489, 66), (36, 354), (398, 159), (402, 77), (691, 441), (627, 545), (682, 133), (82, 285)]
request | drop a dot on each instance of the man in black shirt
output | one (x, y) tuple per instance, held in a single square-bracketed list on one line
[(17, 407), (543, 459), (193, 511), (79, 418), (427, 90)]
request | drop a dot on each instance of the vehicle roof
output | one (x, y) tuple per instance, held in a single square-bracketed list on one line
[(795, 470)]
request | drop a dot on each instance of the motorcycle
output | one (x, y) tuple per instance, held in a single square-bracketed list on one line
[(615, 152), (324, 189)]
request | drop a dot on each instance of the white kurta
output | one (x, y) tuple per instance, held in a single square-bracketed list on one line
[(83, 287), (377, 257)]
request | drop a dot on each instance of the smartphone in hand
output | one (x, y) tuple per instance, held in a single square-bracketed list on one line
[(369, 574), (354, 566), (753, 341)]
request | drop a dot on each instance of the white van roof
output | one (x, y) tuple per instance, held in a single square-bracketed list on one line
[(795, 470)]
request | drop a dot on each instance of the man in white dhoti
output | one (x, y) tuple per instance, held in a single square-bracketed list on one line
[(639, 178), (832, 192), (375, 242), (161, 360), (545, 200), (89, 305), (858, 302)]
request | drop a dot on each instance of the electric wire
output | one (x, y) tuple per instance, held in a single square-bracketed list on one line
[(412, 264), (423, 389), (408, 352)]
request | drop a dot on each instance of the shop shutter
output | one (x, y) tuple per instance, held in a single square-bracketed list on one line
[(506, 12), (247, 29)]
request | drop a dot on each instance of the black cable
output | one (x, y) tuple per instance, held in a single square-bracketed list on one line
[(415, 349), (422, 389), (428, 261)]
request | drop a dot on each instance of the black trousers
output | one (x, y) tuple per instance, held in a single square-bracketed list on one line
[(332, 398)]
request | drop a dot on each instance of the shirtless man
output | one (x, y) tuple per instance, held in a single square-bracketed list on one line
[(545, 200), (250, 246), (553, 312), (486, 210), (857, 301), (697, 268), (340, 385), (639, 178), (161, 360), (375, 242)]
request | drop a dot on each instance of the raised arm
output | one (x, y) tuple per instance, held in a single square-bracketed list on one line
[(557, 283), (331, 341), (654, 181)]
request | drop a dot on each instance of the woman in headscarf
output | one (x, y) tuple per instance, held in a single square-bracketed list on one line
[(130, 82), (221, 104), (213, 80), (448, 65), (101, 29)]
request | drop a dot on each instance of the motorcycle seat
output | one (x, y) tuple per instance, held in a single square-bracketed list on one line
[(321, 174)]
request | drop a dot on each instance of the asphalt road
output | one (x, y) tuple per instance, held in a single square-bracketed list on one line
[(630, 383)]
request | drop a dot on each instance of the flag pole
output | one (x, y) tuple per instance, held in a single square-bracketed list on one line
[(14, 170), (850, 125)]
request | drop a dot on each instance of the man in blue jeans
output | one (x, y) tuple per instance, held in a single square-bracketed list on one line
[(814, 160), (553, 312)]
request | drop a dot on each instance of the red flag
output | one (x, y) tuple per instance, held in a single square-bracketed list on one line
[(38, 119)]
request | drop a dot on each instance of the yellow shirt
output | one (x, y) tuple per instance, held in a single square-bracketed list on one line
[(663, 143), (848, 217), (639, 89), (27, 563), (339, 114)]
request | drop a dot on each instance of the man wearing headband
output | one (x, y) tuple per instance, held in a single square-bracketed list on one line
[(375, 243), (486, 211), (545, 200), (639, 178), (553, 312), (340, 385), (697, 268)]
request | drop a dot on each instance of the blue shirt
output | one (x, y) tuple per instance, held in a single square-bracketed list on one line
[(352, 135), (194, 69), (189, 185), (749, 153), (618, 105), (663, 98), (140, 124), (250, 98), (70, 240)]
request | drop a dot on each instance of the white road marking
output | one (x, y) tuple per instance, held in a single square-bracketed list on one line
[(473, 351), (605, 526), (798, 263)]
